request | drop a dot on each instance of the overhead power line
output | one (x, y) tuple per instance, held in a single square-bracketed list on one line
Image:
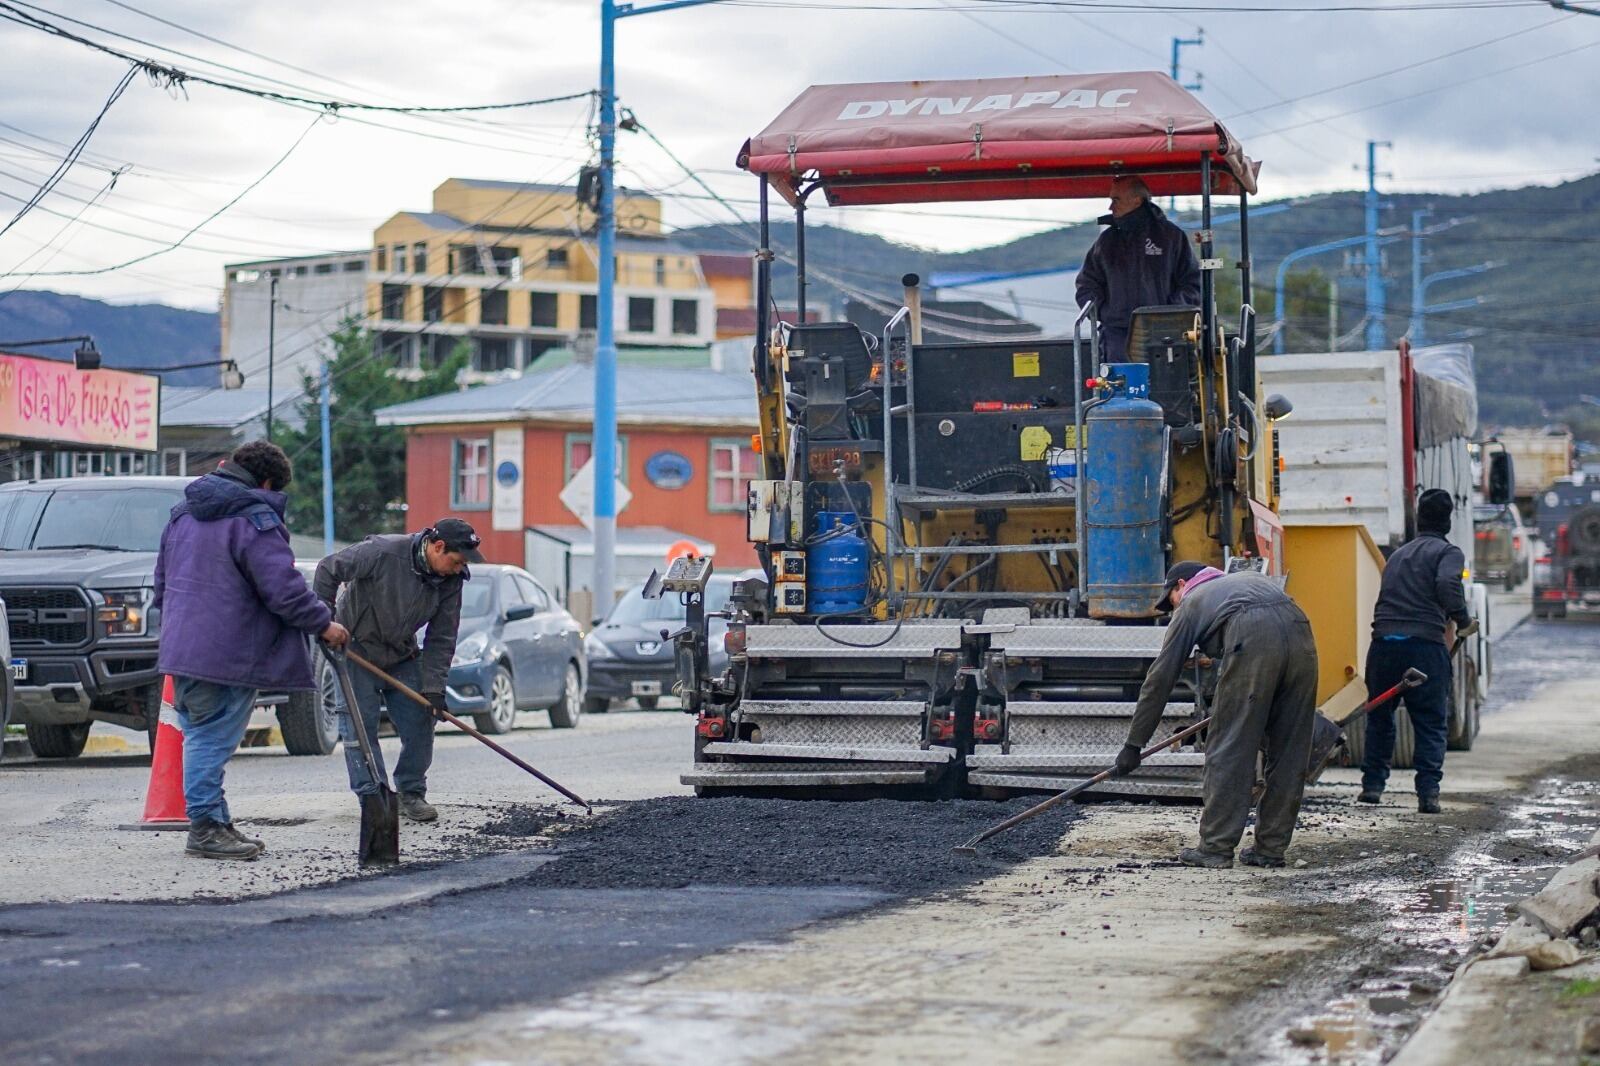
[(176, 78), (72, 154)]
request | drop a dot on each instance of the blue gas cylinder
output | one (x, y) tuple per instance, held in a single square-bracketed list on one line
[(836, 565), (1124, 497)]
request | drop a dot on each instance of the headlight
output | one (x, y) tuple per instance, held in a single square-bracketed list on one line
[(470, 649), (124, 612), (596, 648)]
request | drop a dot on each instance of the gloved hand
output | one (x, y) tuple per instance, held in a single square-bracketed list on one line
[(1467, 630), (1127, 760), (436, 702)]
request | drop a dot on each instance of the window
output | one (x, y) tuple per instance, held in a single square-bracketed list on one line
[(322, 268), (174, 462), (532, 591), (469, 485), (394, 302), (399, 259), (300, 271), (685, 317), (495, 353), (419, 258), (641, 314), (432, 304), (661, 271), (580, 446), (588, 314), (492, 307), (542, 309), (555, 259), (352, 266), (510, 594), (733, 467)]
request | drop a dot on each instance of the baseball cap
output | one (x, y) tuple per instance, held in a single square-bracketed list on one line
[(1178, 572), (456, 535)]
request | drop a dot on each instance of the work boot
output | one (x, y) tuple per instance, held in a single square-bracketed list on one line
[(1208, 859), (415, 806), (1252, 857), (233, 831), (1369, 795), (211, 840), (1428, 804)]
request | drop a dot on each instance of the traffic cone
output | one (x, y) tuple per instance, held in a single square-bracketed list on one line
[(163, 803)]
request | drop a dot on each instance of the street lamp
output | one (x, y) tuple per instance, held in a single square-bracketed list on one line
[(605, 356), (85, 356)]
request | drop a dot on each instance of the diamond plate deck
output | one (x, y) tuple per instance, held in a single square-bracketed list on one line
[(919, 640), (1076, 728), (1047, 639), (1117, 786), (1087, 709), (836, 723), (800, 775), (828, 708), (830, 751)]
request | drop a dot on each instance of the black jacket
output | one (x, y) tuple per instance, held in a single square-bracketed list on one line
[(387, 597), (1141, 260), (1421, 589)]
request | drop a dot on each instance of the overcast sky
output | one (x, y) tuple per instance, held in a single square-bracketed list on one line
[(703, 79)]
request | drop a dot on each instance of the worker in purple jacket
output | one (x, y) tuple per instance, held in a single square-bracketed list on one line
[(235, 615)]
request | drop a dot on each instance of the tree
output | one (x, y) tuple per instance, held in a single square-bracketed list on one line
[(369, 460)]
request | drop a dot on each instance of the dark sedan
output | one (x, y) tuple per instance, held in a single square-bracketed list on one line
[(517, 649), (628, 659)]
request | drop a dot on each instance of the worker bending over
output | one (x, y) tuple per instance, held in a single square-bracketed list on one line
[(1420, 605), (393, 585), (1141, 260), (1266, 690)]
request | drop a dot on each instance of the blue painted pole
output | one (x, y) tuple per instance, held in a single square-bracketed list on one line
[(1279, 309), (604, 450), (327, 463), (1417, 328), (1377, 336)]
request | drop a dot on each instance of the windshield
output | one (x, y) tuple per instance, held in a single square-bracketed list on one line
[(476, 598), (117, 519), (634, 609)]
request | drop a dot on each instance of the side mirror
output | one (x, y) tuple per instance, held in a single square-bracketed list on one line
[(1502, 478), (595, 622), (521, 611)]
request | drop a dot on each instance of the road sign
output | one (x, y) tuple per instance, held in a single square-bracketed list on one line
[(578, 496)]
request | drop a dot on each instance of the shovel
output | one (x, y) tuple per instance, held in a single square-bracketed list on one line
[(971, 846), (406, 690), (1327, 736), (380, 810)]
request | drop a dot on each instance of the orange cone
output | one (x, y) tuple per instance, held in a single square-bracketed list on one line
[(163, 803)]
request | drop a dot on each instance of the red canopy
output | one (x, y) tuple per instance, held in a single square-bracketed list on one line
[(996, 139)]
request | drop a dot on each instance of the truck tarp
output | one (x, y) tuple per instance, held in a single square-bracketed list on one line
[(1447, 393), (996, 138)]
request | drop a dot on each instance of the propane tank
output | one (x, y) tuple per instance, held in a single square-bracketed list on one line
[(1124, 466), (836, 565)]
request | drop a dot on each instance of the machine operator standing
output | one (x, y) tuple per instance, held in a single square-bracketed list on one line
[(1141, 260), (1266, 690), (394, 584), (1422, 605)]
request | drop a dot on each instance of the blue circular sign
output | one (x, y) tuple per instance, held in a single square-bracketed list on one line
[(668, 470), (507, 473)]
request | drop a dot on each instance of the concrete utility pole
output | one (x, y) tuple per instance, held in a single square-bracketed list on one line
[(605, 354), (272, 347), (1376, 335), (327, 463)]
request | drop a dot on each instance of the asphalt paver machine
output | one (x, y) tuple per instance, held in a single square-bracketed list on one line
[(964, 542)]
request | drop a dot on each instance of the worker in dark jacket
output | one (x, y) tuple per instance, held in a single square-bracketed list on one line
[(235, 615), (1266, 690), (1141, 260), (1421, 605), (393, 586)]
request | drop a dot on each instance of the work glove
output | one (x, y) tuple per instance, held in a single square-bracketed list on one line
[(1127, 760), (436, 703), (1468, 629)]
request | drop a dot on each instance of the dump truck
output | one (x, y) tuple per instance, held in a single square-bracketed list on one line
[(964, 542), (1370, 432), (1541, 458)]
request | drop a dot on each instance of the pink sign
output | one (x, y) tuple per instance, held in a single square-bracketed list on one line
[(42, 399)]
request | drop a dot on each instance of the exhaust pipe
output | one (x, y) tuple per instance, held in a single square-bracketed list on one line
[(913, 293)]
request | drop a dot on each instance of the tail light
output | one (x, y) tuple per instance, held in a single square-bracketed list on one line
[(1562, 547), (1516, 541), (710, 726), (1482, 534)]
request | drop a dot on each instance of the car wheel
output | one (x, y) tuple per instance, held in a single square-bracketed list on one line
[(309, 721), (565, 713), (596, 705), (501, 716), (648, 703), (50, 741)]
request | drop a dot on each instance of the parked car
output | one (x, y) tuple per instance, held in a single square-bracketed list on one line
[(6, 678), (628, 656), (1502, 549)]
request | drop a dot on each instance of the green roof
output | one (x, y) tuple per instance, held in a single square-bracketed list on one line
[(681, 358)]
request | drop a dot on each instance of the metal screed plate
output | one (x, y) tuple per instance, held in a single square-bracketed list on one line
[(802, 775), (1051, 640), (914, 640), (1123, 786)]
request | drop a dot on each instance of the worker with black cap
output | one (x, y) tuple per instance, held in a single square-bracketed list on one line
[(1265, 701), (392, 586), (1422, 605)]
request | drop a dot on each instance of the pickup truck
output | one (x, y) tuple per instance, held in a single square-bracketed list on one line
[(77, 573)]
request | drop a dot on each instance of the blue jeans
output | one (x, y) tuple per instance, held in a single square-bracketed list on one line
[(412, 720), (1428, 705), (214, 720)]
